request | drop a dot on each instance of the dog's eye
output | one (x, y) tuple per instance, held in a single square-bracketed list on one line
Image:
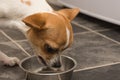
[(49, 49)]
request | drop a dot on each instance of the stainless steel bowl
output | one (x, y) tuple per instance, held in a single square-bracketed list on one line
[(30, 65)]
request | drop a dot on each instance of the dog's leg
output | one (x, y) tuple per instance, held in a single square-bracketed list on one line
[(11, 61), (14, 24), (21, 26)]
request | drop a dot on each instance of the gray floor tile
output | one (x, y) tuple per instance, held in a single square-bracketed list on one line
[(26, 45), (93, 50), (3, 38), (12, 50), (102, 73), (77, 29), (14, 33), (113, 34)]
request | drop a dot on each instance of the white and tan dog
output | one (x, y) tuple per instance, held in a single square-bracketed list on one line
[(49, 31)]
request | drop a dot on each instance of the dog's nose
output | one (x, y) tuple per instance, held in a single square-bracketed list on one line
[(57, 65)]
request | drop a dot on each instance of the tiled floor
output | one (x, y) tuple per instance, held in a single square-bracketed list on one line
[(96, 49)]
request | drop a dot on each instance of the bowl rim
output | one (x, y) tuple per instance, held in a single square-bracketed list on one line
[(56, 73)]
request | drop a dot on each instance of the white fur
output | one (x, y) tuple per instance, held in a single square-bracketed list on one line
[(8, 60), (14, 9), (11, 13), (68, 37)]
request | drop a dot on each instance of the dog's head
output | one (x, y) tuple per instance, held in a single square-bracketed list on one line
[(51, 33)]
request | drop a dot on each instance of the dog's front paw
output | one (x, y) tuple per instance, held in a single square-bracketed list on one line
[(11, 61)]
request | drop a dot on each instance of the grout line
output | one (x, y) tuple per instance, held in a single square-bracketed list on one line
[(59, 77), (14, 40), (21, 40), (15, 43), (105, 65), (102, 30), (82, 26), (90, 31)]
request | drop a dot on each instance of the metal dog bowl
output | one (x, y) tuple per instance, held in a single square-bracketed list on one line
[(31, 66)]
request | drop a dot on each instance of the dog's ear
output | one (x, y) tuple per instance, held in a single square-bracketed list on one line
[(69, 13), (35, 21)]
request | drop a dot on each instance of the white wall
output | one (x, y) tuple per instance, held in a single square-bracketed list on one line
[(108, 10)]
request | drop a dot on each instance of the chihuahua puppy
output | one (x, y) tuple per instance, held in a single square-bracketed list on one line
[(49, 31)]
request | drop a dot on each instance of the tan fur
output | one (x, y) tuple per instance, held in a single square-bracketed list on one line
[(26, 2), (50, 28)]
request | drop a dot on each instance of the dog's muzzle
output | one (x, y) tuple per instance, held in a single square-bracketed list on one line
[(57, 64)]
